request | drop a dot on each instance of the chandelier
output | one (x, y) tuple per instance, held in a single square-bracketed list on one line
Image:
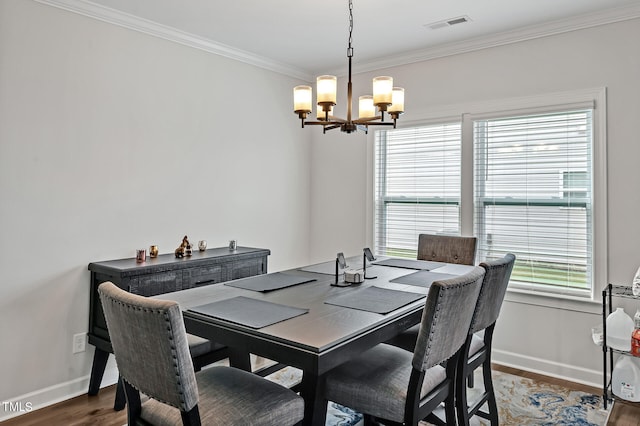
[(386, 98)]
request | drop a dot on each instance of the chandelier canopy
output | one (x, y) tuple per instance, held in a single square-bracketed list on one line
[(385, 98)]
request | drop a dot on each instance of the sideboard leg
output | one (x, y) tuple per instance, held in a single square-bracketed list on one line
[(100, 358)]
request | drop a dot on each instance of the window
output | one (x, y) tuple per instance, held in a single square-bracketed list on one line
[(417, 186), (533, 196), (529, 179)]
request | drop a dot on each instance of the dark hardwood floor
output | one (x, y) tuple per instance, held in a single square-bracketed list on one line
[(98, 410), (81, 410)]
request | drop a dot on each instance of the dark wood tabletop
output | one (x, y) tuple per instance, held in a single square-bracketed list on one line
[(326, 336)]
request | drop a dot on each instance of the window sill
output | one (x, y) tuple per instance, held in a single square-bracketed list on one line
[(554, 300)]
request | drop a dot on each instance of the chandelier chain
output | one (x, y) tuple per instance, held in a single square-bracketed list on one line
[(350, 49)]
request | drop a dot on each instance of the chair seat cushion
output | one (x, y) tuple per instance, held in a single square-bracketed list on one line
[(477, 342), (229, 396), (199, 346), (376, 382), (407, 339)]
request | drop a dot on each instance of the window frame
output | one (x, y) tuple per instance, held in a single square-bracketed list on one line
[(486, 202), (387, 200), (559, 101)]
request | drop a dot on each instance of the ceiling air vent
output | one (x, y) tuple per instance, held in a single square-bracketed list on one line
[(448, 22)]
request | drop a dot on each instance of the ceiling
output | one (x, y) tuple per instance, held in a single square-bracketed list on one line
[(306, 38)]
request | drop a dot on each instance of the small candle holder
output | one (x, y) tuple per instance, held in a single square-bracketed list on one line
[(141, 255), (233, 245), (202, 245), (153, 252)]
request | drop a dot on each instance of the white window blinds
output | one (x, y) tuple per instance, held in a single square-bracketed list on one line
[(417, 186), (533, 196)]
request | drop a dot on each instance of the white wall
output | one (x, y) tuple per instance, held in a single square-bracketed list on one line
[(553, 340), (111, 140)]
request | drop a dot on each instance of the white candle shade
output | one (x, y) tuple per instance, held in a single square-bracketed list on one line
[(382, 87), (302, 98), (365, 107), (397, 100), (327, 88)]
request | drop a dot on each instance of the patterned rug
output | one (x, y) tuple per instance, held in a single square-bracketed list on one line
[(521, 401)]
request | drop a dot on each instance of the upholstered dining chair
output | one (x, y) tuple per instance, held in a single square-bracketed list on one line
[(203, 352), (476, 351), (152, 354), (437, 248), (400, 387), (447, 248)]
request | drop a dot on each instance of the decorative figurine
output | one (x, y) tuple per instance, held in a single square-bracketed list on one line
[(184, 248)]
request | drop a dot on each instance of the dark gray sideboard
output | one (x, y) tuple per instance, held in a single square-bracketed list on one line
[(159, 275)]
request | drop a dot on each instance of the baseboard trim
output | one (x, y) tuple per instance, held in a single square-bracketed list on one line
[(546, 367), (52, 395)]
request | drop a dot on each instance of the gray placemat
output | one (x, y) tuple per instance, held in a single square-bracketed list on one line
[(422, 278), (425, 265), (329, 268), (249, 312), (375, 299), (269, 282)]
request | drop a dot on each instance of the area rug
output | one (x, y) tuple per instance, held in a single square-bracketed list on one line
[(521, 401)]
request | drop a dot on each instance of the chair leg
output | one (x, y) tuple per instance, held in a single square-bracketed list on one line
[(450, 408), (462, 379), (134, 405), (120, 400), (486, 377), (191, 417), (490, 392), (461, 404), (369, 420)]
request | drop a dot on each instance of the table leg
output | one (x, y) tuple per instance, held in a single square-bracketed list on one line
[(100, 358), (315, 407), (239, 359)]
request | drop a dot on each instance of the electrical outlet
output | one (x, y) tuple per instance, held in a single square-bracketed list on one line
[(79, 342)]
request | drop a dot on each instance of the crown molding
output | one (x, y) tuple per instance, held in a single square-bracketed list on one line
[(105, 14), (116, 17), (560, 26)]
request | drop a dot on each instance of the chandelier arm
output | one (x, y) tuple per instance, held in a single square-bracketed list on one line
[(335, 126), (337, 122), (366, 119), (374, 123)]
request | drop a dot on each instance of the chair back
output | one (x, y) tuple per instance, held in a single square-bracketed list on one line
[(446, 248), (446, 318), (494, 287), (150, 344)]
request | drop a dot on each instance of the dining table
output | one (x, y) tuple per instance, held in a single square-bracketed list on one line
[(309, 318)]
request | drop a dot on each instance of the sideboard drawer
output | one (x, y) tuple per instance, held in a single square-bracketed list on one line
[(158, 283), (204, 275)]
